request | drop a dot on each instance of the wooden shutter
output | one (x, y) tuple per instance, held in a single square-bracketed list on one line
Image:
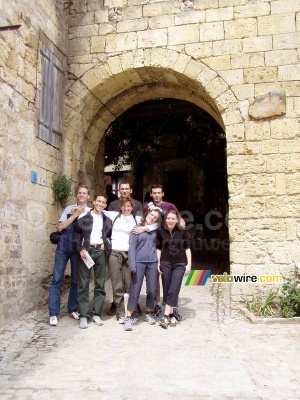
[(51, 106)]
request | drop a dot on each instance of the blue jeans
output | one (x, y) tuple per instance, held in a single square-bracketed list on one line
[(150, 271), (61, 260)]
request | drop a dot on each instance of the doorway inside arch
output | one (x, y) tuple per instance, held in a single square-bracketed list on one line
[(180, 146)]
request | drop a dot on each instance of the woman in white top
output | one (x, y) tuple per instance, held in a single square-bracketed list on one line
[(123, 223)]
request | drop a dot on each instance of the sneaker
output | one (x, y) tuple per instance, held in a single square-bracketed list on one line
[(164, 322), (157, 310), (128, 324), (53, 321), (123, 319), (140, 312), (97, 320), (149, 319), (83, 323), (74, 315), (113, 309), (176, 314), (172, 322)]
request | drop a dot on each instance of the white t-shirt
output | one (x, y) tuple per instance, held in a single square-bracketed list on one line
[(96, 234), (122, 226)]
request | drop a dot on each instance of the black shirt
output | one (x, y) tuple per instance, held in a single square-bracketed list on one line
[(173, 245)]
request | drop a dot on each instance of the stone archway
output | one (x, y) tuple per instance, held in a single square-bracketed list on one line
[(106, 91)]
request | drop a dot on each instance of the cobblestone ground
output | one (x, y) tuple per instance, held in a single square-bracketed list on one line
[(212, 354)]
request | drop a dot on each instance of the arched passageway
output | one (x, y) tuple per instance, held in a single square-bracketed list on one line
[(105, 92), (180, 146)]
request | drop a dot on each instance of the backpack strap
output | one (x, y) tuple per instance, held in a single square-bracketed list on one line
[(119, 216)]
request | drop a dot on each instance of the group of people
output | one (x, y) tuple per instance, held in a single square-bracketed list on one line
[(136, 242)]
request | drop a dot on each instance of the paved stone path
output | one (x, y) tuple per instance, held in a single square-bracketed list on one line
[(213, 354)]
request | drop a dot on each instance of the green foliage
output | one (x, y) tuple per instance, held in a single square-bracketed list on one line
[(263, 306), (290, 302), (62, 188), (140, 140)]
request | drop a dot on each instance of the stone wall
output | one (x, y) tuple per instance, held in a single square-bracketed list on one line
[(236, 59), (27, 212)]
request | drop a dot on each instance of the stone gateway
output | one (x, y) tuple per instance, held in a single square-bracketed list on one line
[(69, 69)]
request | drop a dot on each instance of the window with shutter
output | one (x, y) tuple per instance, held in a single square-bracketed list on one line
[(51, 98)]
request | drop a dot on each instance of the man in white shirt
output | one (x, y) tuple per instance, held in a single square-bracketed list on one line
[(92, 237)]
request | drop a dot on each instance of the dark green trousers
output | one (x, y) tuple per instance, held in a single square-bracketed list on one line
[(84, 275)]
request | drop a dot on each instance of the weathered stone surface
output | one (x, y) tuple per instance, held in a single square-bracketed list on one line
[(224, 56), (269, 105)]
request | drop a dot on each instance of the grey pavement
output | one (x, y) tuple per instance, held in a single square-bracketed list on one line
[(212, 354)]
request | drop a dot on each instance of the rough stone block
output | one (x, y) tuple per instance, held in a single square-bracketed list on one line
[(281, 57), (289, 73), (160, 8), (289, 146), (251, 10), (286, 41), (284, 128), (164, 21), (280, 184), (211, 31), (225, 100), (243, 92), (121, 42), (240, 28), (192, 17), (79, 46), (232, 77), (270, 147), (132, 13), (132, 25), (275, 24), (218, 63), (83, 31), (183, 34), (219, 14), (206, 4), (246, 164), (268, 105), (232, 46), (261, 74), (97, 44), (256, 44), (199, 50), (248, 253), (292, 183), (101, 16), (283, 7), (115, 3), (154, 38)]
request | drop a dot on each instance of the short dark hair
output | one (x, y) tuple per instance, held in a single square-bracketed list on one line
[(156, 186), (125, 182), (100, 194)]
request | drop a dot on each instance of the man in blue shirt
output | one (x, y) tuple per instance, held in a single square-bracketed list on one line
[(65, 251)]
